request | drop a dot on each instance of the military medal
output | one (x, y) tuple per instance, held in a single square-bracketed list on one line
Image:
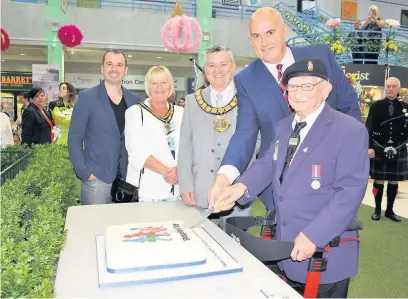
[(221, 124), (315, 184), (316, 175)]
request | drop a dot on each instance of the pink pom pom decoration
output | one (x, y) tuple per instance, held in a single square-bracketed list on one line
[(70, 36), (172, 33)]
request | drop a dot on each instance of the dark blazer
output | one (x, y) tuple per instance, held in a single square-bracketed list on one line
[(35, 128), (94, 141), (261, 105)]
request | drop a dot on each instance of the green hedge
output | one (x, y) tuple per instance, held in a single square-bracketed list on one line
[(33, 210), (11, 154)]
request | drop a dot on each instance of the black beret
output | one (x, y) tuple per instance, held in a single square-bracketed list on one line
[(305, 67), (34, 92)]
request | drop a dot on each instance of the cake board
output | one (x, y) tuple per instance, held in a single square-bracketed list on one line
[(219, 262)]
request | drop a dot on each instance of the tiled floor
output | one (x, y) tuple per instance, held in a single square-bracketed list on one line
[(401, 202)]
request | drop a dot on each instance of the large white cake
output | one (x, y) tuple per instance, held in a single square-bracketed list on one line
[(149, 246)]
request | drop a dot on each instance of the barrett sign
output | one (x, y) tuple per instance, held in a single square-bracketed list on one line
[(16, 81)]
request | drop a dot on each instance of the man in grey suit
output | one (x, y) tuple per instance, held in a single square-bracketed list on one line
[(208, 124), (318, 166)]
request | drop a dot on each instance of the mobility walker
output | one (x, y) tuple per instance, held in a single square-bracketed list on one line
[(268, 251)]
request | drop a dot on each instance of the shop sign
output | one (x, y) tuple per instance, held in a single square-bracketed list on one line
[(17, 81), (133, 82), (374, 74)]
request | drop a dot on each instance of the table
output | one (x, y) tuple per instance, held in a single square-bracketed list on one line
[(77, 267)]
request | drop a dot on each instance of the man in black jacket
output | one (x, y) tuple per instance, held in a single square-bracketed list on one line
[(387, 125)]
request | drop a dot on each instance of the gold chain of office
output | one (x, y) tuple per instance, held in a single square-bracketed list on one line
[(220, 124)]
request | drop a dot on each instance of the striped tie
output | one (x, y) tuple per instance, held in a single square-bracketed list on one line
[(294, 141), (282, 87)]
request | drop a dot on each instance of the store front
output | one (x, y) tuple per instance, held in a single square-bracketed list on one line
[(12, 85), (371, 78)]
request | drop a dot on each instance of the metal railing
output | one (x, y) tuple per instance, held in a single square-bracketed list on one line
[(360, 47), (156, 6), (10, 171)]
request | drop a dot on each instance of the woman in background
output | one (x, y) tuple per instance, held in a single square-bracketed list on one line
[(37, 124), (152, 134), (62, 110)]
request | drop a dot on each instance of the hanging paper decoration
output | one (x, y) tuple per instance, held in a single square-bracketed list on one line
[(70, 36), (5, 40), (172, 32)]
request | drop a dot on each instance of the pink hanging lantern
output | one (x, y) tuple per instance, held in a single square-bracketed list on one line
[(70, 36), (172, 34), (5, 40)]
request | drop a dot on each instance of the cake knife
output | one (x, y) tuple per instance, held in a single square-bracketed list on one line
[(205, 215)]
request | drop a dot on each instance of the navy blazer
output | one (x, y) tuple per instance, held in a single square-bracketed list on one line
[(261, 105), (35, 128), (94, 141)]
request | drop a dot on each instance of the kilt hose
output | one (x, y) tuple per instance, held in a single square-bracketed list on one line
[(384, 169)]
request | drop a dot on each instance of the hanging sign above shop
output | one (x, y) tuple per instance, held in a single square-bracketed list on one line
[(17, 81), (133, 82)]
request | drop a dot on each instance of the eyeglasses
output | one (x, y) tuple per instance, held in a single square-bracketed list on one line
[(304, 87)]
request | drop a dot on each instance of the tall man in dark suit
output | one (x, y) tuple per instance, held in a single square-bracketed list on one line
[(95, 138), (261, 103), (318, 167)]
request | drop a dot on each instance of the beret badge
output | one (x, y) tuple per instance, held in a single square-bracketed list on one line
[(310, 66)]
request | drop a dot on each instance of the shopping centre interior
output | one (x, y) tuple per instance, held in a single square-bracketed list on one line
[(37, 57)]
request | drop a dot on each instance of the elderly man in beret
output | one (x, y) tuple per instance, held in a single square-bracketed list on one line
[(318, 166)]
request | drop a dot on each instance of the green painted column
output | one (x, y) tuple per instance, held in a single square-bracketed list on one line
[(204, 17), (55, 16)]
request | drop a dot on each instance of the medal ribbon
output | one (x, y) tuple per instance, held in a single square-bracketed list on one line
[(316, 172)]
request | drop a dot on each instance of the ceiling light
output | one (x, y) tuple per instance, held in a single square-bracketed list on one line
[(129, 56), (22, 54), (3, 60), (158, 57)]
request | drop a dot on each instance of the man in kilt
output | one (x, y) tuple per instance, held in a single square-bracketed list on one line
[(387, 125)]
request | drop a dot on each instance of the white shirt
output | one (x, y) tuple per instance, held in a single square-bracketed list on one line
[(149, 139), (310, 120), (287, 61), (230, 171), (227, 95)]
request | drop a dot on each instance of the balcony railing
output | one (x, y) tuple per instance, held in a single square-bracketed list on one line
[(156, 6), (360, 48)]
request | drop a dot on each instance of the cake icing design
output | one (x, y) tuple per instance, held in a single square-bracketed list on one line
[(151, 246), (148, 234)]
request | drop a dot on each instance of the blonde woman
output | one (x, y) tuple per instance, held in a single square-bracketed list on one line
[(152, 134)]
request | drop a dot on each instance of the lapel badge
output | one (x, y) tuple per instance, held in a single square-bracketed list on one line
[(310, 66), (275, 153), (305, 150)]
